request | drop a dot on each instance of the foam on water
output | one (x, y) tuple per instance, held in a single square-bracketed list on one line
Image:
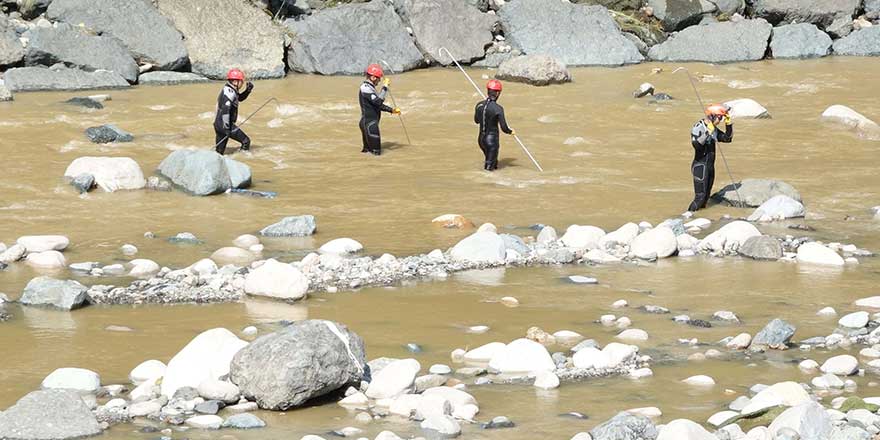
[(287, 110), (577, 140), (160, 108), (206, 115), (742, 85), (275, 123)]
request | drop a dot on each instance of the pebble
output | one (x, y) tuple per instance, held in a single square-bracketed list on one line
[(363, 418), (827, 311), (249, 331), (633, 334), (440, 369), (129, 249), (619, 304), (808, 365), (578, 279), (699, 380), (510, 301), (623, 322), (607, 320), (724, 315)]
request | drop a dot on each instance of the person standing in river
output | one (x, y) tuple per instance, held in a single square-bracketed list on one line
[(372, 105), (227, 112), (704, 135), (489, 116)]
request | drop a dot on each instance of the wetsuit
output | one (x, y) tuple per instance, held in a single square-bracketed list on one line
[(703, 167), (227, 115), (372, 106), (489, 115)]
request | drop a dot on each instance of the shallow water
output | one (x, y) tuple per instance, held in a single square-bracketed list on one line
[(609, 159)]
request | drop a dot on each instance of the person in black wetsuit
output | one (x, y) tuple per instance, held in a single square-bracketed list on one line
[(372, 105), (489, 116), (227, 112), (703, 137)]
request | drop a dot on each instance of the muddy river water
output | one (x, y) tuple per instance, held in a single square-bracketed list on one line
[(609, 159)]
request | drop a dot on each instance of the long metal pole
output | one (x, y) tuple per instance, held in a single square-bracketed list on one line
[(247, 119), (528, 153), (720, 150), (399, 115)]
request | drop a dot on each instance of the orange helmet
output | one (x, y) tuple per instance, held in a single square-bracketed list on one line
[(494, 84), (235, 74), (716, 110), (375, 70)]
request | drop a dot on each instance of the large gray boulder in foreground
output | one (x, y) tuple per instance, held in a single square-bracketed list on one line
[(818, 12), (537, 70), (147, 34), (755, 192), (75, 48), (725, 42), (863, 42), (625, 426), (26, 79), (802, 40), (307, 359), (59, 294), (204, 172), (221, 34), (576, 35), (453, 24), (345, 39), (293, 226), (48, 414)]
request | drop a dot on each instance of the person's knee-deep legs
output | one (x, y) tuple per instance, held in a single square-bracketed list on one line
[(220, 140), (372, 138), (701, 188), (489, 145), (237, 135)]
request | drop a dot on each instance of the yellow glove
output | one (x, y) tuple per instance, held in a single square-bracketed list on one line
[(386, 82), (395, 111), (512, 132), (710, 126), (726, 119)]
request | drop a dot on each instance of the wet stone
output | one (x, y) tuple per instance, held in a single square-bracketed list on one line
[(499, 422)]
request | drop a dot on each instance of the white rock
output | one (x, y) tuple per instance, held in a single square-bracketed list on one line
[(111, 173), (808, 419), (619, 304), (699, 380), (815, 253), (579, 279), (142, 267), (246, 241), (456, 397), (47, 260), (341, 246), (854, 320), (686, 242), (729, 238), (740, 341), (582, 436), (849, 117), (276, 280), (484, 353), (599, 256), (611, 356), (478, 329), (779, 207), (203, 267), (843, 365), (619, 353), (480, 247), (746, 108), (623, 322), (546, 380), (457, 355), (683, 429), (659, 242), (146, 371), (207, 356), (863, 416), (808, 365), (633, 334), (440, 369), (393, 380), (828, 381), (582, 237), (213, 389), (249, 331), (404, 405), (782, 393), (205, 422), (77, 379), (145, 390), (356, 400), (871, 302), (432, 406), (42, 243), (113, 269), (651, 412), (387, 435), (465, 412), (759, 433), (128, 249), (607, 320), (641, 373), (623, 236), (445, 425), (522, 356), (568, 337), (828, 311), (233, 255), (701, 223), (869, 353), (509, 301), (721, 418), (547, 235)]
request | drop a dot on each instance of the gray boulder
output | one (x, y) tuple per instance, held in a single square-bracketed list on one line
[(85, 102), (625, 426), (108, 133), (537, 70), (26, 79), (849, 432), (204, 172), (452, 24), (872, 8), (148, 35), (820, 13), (494, 59), (729, 7), (675, 15), (250, 42), (802, 40), (755, 192), (345, 39), (75, 48), (11, 50), (724, 42), (576, 35), (48, 414), (761, 247), (776, 334), (83, 183), (5, 94), (295, 226), (840, 27), (243, 421), (307, 359), (59, 294), (170, 78), (515, 243), (863, 42)]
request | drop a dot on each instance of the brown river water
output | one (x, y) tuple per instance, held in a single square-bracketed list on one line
[(609, 159)]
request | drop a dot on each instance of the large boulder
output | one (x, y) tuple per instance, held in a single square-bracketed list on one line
[(723, 42), (625, 426), (481, 247), (582, 237), (200, 172), (755, 192), (821, 13), (148, 35), (302, 361), (278, 280), (577, 35), (809, 419), (863, 42), (395, 379), (345, 39), (206, 357), (48, 414), (815, 253), (11, 50), (522, 356), (537, 70), (293, 226), (220, 34), (27, 79), (59, 294), (801, 40), (761, 247), (76, 379), (110, 173), (75, 48), (43, 243), (729, 238), (844, 115), (654, 243), (451, 24), (675, 15), (779, 207)]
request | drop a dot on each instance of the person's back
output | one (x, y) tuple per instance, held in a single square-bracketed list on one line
[(490, 117)]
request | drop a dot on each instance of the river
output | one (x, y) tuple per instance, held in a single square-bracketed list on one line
[(608, 160)]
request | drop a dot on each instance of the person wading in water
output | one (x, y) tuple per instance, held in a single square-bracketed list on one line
[(703, 137), (227, 112), (489, 115), (372, 105)]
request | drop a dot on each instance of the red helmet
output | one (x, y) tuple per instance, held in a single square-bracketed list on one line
[(494, 84), (716, 110), (375, 70), (235, 74)]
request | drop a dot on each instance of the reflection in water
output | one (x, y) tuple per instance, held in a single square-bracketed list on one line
[(264, 311), (49, 321), (484, 277)]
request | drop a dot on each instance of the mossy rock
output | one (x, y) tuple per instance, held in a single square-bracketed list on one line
[(761, 419), (857, 403), (648, 30), (614, 5)]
